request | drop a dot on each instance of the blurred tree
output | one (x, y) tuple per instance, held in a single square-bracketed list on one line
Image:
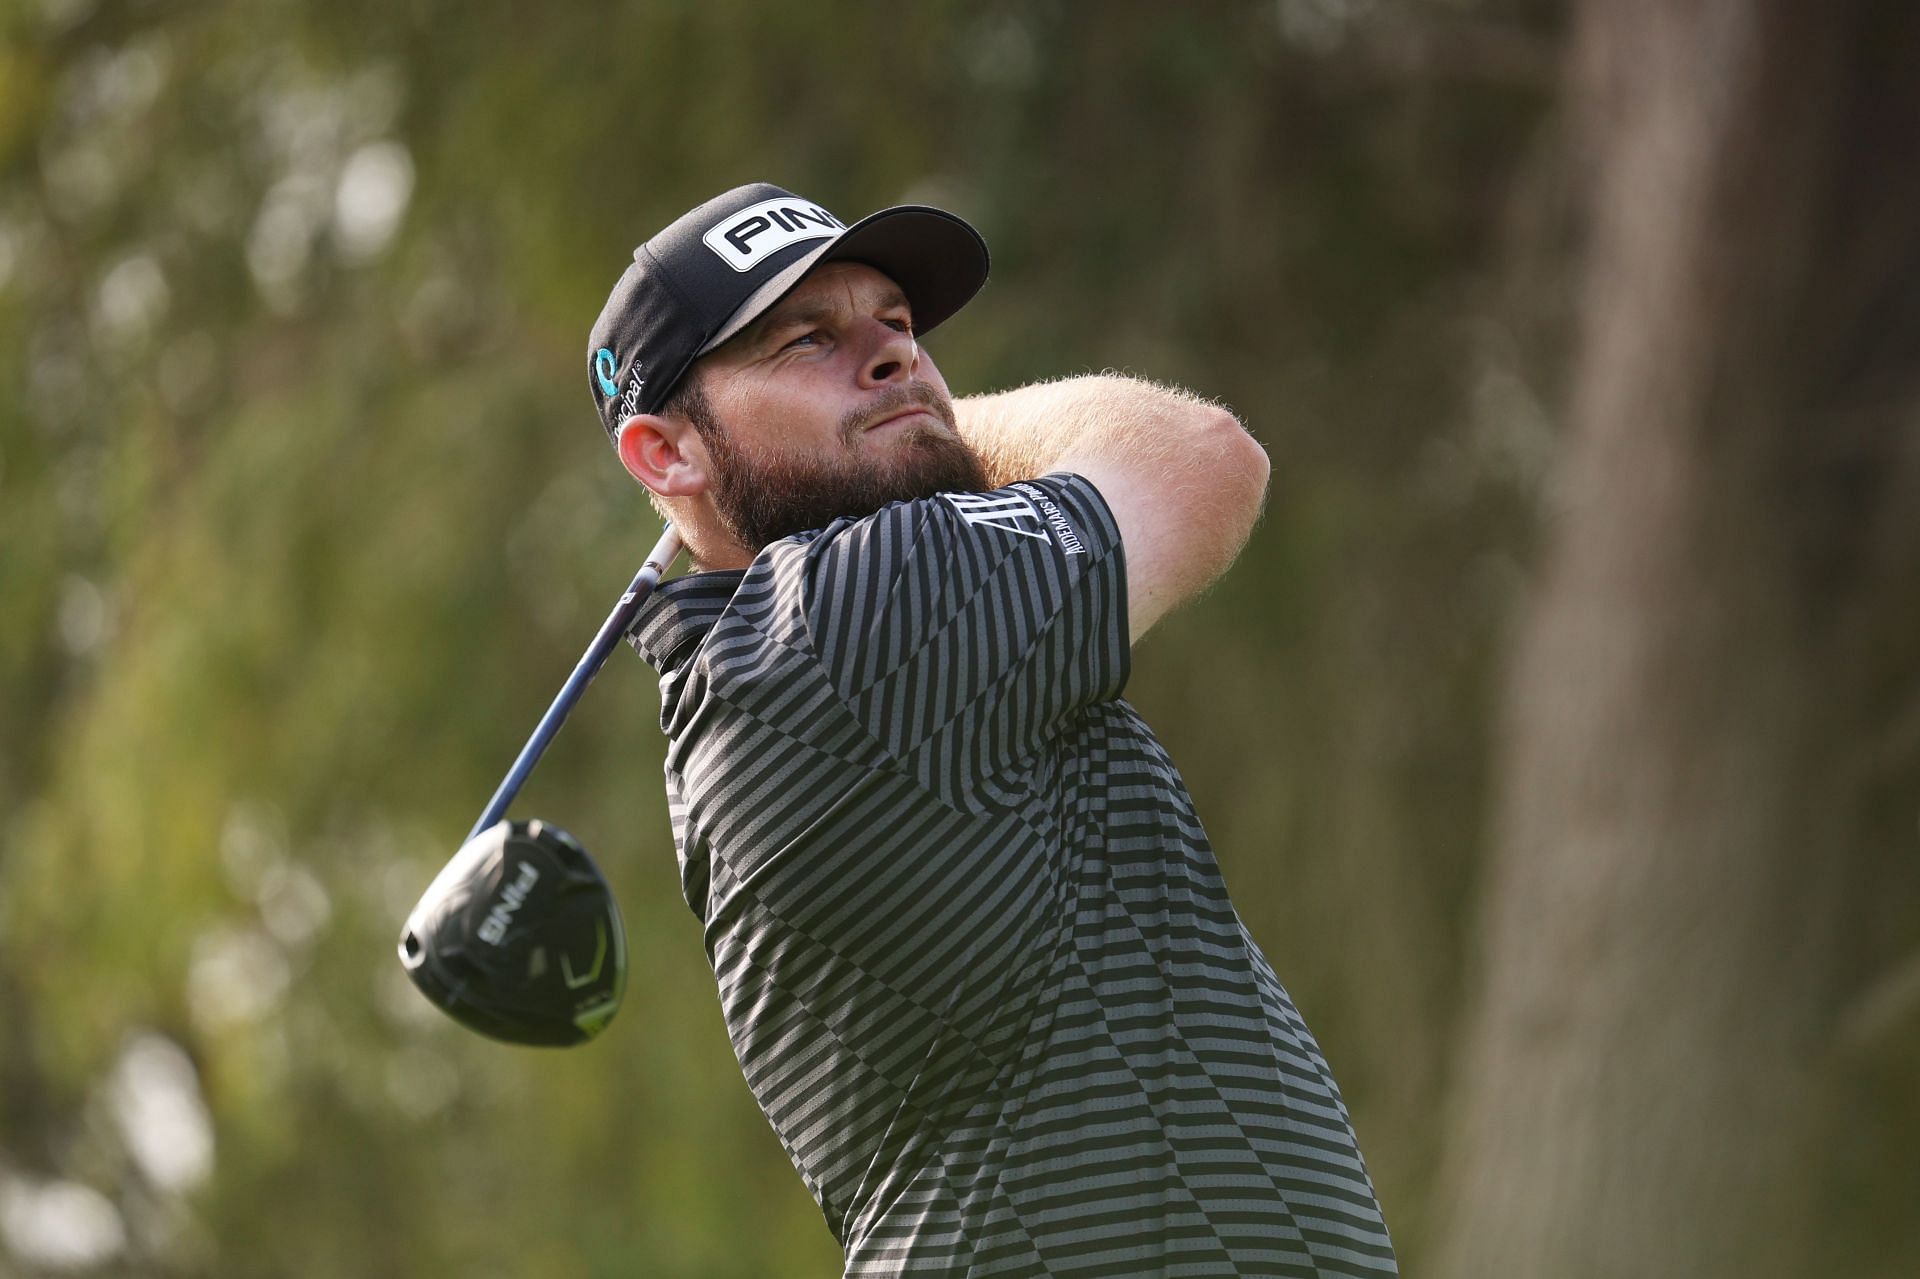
[(1701, 919), (303, 517)]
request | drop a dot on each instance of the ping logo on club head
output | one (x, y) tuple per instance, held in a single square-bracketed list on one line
[(500, 915), (743, 239), (604, 367)]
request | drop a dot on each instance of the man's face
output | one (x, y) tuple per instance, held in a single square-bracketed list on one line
[(825, 407)]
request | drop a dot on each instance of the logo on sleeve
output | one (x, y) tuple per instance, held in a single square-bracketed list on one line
[(742, 239), (1062, 531), (1008, 512), (1012, 511)]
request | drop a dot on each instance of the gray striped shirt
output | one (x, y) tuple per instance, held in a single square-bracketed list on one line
[(973, 950)]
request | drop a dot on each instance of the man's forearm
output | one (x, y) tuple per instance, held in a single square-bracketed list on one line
[(1026, 432)]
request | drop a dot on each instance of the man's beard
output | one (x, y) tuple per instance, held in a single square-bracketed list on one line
[(763, 496)]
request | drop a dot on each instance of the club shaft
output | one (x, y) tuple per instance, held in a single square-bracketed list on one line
[(611, 632)]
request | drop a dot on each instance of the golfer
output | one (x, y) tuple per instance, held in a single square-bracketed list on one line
[(973, 949)]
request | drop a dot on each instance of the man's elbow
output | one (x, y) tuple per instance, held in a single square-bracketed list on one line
[(1237, 465)]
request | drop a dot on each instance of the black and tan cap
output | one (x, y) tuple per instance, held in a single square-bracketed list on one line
[(720, 265)]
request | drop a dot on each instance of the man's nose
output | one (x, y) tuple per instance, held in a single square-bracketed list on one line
[(892, 358)]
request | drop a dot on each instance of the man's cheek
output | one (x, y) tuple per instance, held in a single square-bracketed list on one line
[(927, 371)]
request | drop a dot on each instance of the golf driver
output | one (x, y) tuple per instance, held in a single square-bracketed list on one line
[(519, 936)]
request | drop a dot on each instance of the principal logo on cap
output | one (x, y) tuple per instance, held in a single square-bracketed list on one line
[(743, 239), (630, 400), (604, 367)]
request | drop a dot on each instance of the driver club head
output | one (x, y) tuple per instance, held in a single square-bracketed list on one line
[(519, 938)]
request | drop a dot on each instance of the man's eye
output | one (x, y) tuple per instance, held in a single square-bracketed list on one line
[(903, 326), (809, 337)]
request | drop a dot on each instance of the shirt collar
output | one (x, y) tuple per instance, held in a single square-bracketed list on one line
[(678, 615)]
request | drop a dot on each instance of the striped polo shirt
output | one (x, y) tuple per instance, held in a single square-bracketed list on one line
[(973, 949)]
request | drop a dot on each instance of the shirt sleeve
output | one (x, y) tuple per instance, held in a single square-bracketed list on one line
[(963, 631)]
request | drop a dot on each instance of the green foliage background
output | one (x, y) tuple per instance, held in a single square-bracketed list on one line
[(297, 540)]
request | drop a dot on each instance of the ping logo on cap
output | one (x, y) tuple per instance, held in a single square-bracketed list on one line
[(744, 238)]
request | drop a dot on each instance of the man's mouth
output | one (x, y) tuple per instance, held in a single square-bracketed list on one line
[(901, 415), (902, 406)]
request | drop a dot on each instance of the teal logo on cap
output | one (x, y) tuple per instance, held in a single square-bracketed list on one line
[(604, 367)]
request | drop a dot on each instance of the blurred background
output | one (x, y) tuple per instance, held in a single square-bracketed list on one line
[(1558, 730)]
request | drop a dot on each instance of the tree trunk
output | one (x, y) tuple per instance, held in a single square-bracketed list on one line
[(1693, 843)]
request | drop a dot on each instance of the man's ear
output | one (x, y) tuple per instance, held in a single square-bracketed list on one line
[(664, 455)]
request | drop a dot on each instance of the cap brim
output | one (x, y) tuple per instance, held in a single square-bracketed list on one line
[(937, 259)]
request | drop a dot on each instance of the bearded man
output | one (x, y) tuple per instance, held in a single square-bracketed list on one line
[(974, 952)]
